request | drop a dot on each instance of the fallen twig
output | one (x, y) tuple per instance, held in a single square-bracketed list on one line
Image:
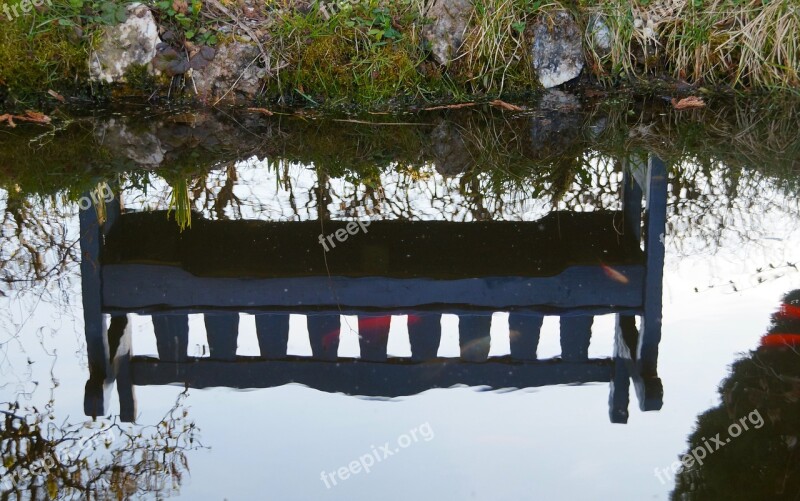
[(506, 106), (365, 122), (450, 106), (261, 110)]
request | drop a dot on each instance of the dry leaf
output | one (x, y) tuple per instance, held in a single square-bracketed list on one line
[(56, 95), (8, 118), (180, 6), (35, 116), (29, 116), (506, 106), (688, 103)]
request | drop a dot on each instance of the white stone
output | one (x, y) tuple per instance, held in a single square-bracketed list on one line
[(446, 34), (557, 50), (130, 43), (599, 34)]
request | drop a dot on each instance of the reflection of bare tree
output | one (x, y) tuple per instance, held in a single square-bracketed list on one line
[(732, 176), (709, 203), (45, 460), (36, 245), (214, 194), (712, 206), (321, 195)]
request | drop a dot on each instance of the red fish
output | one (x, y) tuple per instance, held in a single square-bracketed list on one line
[(778, 339), (370, 327), (789, 311), (614, 274)]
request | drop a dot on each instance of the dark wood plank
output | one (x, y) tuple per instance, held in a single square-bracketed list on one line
[(654, 274), (120, 346), (424, 335), (373, 333), (407, 249), (524, 330), (222, 332), (273, 334), (576, 332), (323, 333), (358, 377), (98, 389), (172, 336), (139, 287), (473, 337)]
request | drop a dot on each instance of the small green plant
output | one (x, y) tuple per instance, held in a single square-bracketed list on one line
[(361, 53), (108, 13), (181, 204), (379, 26), (88, 13), (185, 15), (46, 49)]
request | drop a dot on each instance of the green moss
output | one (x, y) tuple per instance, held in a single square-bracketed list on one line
[(392, 71), (45, 160), (367, 54), (139, 79), (324, 67), (35, 57)]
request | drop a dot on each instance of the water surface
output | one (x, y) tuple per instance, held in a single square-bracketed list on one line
[(539, 304)]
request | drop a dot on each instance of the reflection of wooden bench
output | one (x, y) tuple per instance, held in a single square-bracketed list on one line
[(561, 265)]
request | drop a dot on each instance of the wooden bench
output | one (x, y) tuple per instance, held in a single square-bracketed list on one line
[(571, 265)]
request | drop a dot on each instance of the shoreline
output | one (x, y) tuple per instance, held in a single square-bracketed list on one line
[(375, 55)]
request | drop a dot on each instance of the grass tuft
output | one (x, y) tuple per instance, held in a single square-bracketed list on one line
[(742, 45), (496, 52)]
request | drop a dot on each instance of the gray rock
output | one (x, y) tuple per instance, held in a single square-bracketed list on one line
[(599, 33), (202, 58), (597, 127), (130, 43), (232, 72), (556, 126), (169, 61), (137, 143), (449, 150), (446, 34), (557, 50), (559, 101)]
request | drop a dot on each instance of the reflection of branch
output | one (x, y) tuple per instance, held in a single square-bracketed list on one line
[(45, 460), (60, 265), (139, 461)]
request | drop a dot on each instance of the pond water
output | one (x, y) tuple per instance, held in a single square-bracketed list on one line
[(562, 302)]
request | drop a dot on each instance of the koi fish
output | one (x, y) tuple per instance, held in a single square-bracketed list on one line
[(476, 347), (789, 311), (778, 339), (483, 344), (614, 274), (371, 328)]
